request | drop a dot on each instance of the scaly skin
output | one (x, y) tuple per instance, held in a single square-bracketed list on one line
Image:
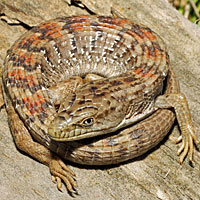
[(47, 100)]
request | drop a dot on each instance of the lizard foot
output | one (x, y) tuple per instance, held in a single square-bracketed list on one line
[(187, 127), (187, 140), (60, 172)]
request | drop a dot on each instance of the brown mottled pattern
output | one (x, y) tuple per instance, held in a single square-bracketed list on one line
[(131, 58), (124, 144), (56, 50)]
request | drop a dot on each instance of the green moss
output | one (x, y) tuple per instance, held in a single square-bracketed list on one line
[(181, 7)]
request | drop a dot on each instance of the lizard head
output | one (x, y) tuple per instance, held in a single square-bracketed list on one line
[(89, 111)]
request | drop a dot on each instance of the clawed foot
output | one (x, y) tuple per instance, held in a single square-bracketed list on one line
[(187, 139), (179, 103), (60, 172)]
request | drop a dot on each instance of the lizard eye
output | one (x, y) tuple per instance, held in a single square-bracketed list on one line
[(88, 122)]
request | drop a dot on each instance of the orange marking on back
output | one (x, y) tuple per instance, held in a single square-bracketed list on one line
[(54, 33), (24, 41), (12, 73), (26, 99), (30, 79), (136, 36), (149, 74), (34, 39), (41, 99), (108, 26), (82, 18), (48, 25), (34, 106), (78, 26), (29, 40), (22, 54), (38, 105), (52, 29), (121, 22), (138, 71), (19, 74), (77, 29), (30, 59), (153, 57), (149, 35), (157, 52), (16, 72), (147, 54), (29, 105)]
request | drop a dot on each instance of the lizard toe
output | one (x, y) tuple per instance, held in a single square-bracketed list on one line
[(60, 172)]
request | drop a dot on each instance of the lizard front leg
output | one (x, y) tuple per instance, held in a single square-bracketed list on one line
[(179, 103), (25, 142)]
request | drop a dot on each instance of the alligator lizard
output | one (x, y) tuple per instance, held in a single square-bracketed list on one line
[(51, 101)]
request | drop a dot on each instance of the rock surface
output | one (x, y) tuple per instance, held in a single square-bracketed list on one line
[(157, 174)]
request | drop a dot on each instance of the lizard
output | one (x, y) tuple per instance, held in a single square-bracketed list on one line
[(90, 89)]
